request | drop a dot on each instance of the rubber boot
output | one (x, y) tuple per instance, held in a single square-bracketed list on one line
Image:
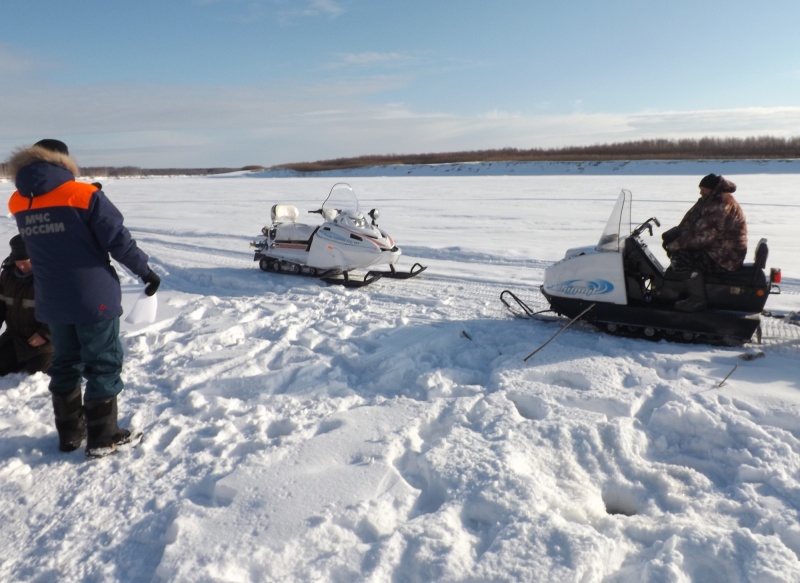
[(696, 286), (70, 422), (104, 435)]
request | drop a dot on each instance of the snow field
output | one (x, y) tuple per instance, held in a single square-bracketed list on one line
[(296, 431)]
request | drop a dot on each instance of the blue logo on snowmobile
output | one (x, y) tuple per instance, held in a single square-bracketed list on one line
[(584, 287)]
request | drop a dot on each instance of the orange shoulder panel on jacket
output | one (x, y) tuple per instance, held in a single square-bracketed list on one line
[(72, 194)]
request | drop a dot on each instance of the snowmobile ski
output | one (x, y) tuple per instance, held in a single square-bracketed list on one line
[(347, 280), (415, 270), (520, 309)]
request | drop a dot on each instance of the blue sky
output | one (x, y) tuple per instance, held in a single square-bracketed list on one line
[(232, 82)]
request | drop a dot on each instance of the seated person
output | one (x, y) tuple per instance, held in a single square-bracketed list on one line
[(25, 343), (711, 238)]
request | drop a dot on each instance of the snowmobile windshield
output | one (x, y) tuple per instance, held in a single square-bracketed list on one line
[(341, 198), (613, 233)]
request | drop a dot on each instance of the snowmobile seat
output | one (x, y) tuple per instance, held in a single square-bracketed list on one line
[(284, 213), (285, 227), (760, 263), (293, 233), (762, 251), (749, 274)]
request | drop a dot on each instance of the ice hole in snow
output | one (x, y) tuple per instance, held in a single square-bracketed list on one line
[(620, 500)]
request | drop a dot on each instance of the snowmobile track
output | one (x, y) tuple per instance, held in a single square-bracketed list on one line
[(776, 330)]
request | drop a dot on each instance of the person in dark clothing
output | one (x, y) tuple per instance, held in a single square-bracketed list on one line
[(72, 230), (711, 238), (25, 343)]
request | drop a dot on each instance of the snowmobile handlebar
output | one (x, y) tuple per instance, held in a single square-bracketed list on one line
[(322, 212), (647, 225)]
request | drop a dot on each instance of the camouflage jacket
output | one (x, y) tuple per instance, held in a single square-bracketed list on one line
[(716, 225)]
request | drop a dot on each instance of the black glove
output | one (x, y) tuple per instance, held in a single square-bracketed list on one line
[(668, 237), (151, 281)]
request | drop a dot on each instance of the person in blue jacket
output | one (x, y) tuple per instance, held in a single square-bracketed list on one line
[(71, 230)]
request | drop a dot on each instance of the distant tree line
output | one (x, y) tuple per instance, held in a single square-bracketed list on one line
[(764, 147), (137, 172)]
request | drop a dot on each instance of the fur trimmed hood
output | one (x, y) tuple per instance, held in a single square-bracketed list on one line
[(725, 185), (26, 156), (37, 170)]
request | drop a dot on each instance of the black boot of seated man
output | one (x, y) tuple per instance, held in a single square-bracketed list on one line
[(696, 302), (104, 435), (70, 422)]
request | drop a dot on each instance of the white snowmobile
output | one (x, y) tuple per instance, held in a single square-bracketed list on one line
[(620, 287), (346, 240)]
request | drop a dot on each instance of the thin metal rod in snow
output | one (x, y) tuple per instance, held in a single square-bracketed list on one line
[(553, 337), (722, 382)]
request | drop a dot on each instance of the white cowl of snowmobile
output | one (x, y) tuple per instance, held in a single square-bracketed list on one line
[(347, 240), (595, 272)]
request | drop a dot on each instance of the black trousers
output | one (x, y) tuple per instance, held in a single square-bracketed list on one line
[(10, 362)]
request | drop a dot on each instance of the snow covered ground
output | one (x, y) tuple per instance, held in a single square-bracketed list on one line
[(300, 432)]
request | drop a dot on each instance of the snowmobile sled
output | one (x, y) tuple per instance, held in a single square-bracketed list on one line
[(620, 287), (346, 240)]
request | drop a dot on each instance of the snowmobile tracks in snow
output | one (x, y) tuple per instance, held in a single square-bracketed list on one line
[(780, 331)]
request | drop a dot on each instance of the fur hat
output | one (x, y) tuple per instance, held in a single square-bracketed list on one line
[(18, 249), (710, 181), (53, 146)]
